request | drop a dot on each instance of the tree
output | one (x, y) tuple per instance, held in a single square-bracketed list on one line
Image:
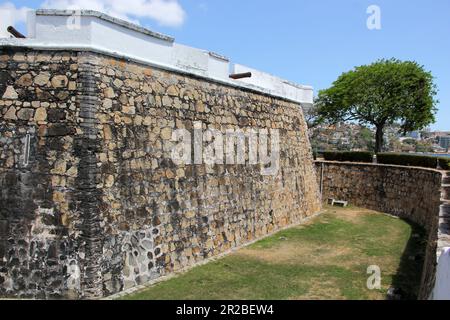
[(366, 138), (311, 114), (384, 93)]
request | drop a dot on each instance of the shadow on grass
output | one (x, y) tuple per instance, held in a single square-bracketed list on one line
[(407, 279)]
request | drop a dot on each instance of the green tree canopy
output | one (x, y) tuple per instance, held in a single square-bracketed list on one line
[(381, 94)]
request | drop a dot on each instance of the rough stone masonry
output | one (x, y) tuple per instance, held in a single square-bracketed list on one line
[(91, 202), (411, 193)]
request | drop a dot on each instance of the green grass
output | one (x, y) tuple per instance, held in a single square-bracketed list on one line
[(325, 259)]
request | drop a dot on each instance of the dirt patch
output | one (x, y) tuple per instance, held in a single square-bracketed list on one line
[(321, 290), (294, 253), (309, 252), (350, 214)]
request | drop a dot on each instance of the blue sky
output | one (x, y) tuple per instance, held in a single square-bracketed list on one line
[(309, 42)]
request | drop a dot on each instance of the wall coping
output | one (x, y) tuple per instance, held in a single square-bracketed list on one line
[(379, 165), (89, 30), (241, 86)]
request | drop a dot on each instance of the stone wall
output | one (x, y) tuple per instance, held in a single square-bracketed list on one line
[(407, 192), (39, 218), (91, 202)]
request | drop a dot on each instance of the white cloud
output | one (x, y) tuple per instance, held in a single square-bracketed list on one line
[(11, 16), (203, 6), (165, 12), (9, 11)]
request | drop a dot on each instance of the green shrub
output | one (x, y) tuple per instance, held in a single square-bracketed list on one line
[(409, 160), (317, 154), (351, 156), (444, 163)]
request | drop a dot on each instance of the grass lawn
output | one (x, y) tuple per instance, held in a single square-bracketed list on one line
[(326, 258)]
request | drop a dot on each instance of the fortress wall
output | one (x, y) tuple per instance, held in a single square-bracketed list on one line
[(100, 206), (40, 221), (407, 192)]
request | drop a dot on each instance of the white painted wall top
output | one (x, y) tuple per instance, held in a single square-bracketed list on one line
[(441, 289), (94, 31)]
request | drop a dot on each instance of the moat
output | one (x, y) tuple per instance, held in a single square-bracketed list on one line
[(326, 258)]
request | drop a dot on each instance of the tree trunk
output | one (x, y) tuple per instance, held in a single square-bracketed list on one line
[(379, 139)]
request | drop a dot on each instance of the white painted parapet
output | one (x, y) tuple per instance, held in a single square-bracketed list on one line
[(282, 87), (442, 283), (94, 31)]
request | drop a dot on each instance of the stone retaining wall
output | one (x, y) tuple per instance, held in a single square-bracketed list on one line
[(407, 192), (91, 202)]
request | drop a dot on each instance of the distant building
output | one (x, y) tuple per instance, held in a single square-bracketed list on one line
[(444, 142), (436, 134), (414, 135)]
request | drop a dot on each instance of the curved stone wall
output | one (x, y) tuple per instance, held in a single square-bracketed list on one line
[(407, 192), (91, 200)]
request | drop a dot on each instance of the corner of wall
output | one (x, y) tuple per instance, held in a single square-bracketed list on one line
[(86, 146)]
